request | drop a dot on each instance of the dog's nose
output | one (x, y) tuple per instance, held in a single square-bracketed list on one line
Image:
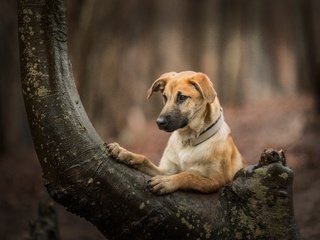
[(162, 121)]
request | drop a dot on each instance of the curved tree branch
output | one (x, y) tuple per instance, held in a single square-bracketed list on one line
[(80, 175)]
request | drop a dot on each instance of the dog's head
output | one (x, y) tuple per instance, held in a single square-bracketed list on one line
[(184, 95)]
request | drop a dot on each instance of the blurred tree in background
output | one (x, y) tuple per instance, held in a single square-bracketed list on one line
[(252, 50)]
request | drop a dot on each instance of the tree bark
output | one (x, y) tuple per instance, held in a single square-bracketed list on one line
[(80, 174)]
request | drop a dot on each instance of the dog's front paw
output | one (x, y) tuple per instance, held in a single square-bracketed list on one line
[(162, 185), (120, 154)]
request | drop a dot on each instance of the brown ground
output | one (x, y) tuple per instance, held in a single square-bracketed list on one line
[(278, 124)]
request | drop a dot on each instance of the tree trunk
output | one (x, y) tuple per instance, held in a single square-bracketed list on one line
[(80, 174), (45, 227)]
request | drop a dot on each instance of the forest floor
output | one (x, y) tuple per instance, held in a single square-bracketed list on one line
[(280, 123)]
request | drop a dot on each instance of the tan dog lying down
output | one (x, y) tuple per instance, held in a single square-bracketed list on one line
[(200, 154)]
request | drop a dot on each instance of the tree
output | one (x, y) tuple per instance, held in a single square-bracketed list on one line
[(80, 174)]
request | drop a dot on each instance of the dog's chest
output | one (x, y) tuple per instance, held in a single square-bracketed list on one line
[(195, 158), (201, 158), (187, 159)]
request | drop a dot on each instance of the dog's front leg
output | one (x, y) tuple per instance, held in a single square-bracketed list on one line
[(184, 181), (137, 161)]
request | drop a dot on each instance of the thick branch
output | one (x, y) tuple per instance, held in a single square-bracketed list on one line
[(80, 175)]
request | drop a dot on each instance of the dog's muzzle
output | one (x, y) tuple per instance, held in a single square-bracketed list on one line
[(162, 121), (170, 123)]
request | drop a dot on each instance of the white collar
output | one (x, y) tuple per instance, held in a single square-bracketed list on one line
[(209, 132)]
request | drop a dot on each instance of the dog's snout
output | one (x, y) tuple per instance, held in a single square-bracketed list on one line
[(162, 121), (170, 122)]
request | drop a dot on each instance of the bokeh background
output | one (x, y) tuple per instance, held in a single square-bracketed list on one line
[(263, 57)]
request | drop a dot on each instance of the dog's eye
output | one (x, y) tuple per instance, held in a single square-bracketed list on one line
[(181, 98), (165, 98)]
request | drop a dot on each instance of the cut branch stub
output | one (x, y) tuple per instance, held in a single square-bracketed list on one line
[(260, 199), (80, 175)]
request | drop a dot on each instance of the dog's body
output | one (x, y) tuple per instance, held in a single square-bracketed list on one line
[(200, 154)]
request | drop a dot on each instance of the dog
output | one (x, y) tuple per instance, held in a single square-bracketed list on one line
[(200, 154)]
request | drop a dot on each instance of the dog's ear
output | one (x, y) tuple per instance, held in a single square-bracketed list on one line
[(160, 83), (203, 84)]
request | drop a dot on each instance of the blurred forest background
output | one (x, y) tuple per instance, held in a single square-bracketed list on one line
[(263, 57)]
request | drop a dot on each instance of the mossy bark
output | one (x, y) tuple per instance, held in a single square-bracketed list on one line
[(80, 175)]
